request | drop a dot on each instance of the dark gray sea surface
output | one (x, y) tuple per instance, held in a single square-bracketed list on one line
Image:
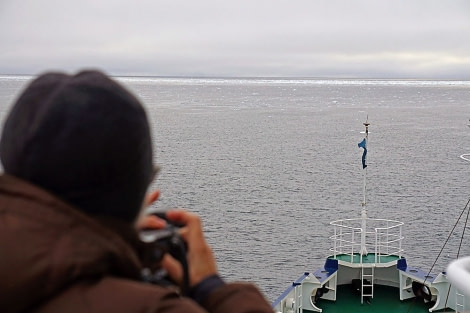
[(268, 163)]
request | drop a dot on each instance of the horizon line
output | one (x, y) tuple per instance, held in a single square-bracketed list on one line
[(253, 77)]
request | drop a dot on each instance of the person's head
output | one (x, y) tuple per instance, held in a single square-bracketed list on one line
[(85, 139)]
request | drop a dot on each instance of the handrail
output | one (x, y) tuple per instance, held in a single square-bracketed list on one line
[(385, 239)]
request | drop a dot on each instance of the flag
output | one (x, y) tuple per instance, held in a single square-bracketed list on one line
[(363, 144)]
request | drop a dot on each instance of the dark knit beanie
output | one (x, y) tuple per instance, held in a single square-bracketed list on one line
[(85, 139)]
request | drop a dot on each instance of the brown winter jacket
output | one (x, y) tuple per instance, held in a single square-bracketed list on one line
[(55, 259)]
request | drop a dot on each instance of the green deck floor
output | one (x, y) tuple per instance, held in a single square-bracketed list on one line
[(386, 300), (369, 258)]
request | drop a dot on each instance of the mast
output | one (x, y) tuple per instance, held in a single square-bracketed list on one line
[(363, 144)]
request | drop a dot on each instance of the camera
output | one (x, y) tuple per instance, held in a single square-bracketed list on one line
[(157, 243)]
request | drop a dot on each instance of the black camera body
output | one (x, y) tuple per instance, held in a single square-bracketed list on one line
[(160, 241)]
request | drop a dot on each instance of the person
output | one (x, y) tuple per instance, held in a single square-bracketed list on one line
[(77, 157)]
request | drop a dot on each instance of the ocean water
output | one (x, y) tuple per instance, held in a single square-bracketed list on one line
[(268, 163)]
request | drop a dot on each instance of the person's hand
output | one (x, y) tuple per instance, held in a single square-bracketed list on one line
[(201, 262)]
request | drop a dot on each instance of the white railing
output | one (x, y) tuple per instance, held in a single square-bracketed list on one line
[(384, 239)]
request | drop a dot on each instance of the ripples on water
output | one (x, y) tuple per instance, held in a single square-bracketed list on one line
[(269, 163)]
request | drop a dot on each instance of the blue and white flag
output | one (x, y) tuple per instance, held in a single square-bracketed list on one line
[(363, 144)]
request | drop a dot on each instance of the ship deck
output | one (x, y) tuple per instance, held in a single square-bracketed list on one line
[(368, 259), (385, 300)]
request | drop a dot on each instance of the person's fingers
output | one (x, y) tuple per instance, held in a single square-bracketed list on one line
[(177, 215), (193, 230), (173, 268), (151, 221)]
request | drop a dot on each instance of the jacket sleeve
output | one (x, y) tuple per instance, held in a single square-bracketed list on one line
[(236, 298)]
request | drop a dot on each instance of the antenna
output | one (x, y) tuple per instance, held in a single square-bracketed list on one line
[(366, 124)]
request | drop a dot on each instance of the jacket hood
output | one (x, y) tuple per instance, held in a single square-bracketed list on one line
[(46, 245)]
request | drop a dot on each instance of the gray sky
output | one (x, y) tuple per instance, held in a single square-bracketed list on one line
[(300, 38)]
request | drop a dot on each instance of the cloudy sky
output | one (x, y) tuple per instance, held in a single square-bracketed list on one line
[(274, 38)]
